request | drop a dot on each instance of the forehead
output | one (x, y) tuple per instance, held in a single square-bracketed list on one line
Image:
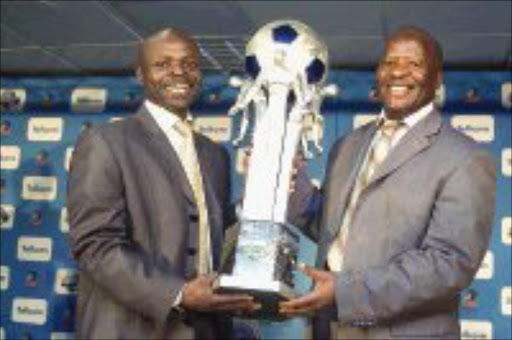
[(408, 44), (170, 46)]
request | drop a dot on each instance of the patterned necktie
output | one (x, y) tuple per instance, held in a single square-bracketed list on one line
[(381, 147), (193, 172), (379, 151)]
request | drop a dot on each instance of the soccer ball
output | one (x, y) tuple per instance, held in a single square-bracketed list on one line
[(289, 46)]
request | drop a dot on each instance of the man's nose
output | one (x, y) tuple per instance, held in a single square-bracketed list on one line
[(399, 69), (176, 69)]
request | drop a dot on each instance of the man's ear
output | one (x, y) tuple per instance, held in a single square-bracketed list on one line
[(440, 76), (138, 74)]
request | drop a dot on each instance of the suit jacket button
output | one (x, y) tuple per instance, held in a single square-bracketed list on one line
[(193, 218), (191, 251)]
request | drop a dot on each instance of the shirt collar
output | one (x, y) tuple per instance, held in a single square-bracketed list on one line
[(413, 118), (164, 118)]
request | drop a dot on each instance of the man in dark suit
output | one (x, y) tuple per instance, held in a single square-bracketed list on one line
[(407, 211), (146, 229)]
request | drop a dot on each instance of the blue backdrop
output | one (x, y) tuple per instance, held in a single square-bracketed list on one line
[(42, 117)]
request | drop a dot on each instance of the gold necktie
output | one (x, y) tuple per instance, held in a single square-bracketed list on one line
[(381, 147), (379, 151), (193, 172)]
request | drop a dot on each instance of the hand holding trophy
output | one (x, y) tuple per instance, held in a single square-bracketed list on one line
[(287, 65)]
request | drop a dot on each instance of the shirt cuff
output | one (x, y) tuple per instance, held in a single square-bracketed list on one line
[(176, 308), (177, 301)]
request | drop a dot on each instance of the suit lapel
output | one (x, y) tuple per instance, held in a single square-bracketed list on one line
[(416, 140), (357, 150), (170, 159), (166, 152), (214, 209)]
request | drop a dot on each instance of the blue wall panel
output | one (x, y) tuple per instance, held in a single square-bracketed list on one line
[(39, 277)]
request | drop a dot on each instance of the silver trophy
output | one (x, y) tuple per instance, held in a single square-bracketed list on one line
[(287, 66)]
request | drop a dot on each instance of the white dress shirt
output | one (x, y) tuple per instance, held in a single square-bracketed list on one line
[(166, 120)]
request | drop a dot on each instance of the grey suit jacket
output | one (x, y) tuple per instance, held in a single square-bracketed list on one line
[(418, 234), (133, 227)]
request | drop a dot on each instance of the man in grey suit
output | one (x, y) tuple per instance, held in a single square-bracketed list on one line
[(400, 233), (136, 216)]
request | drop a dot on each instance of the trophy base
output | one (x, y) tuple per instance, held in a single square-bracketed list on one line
[(262, 266), (267, 295)]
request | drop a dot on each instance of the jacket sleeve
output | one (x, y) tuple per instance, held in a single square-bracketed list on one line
[(444, 263), (100, 234), (228, 207), (306, 202)]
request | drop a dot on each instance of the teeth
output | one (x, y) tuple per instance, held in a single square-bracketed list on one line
[(398, 89), (177, 88)]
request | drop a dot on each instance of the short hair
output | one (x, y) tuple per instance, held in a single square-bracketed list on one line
[(427, 38), (166, 33)]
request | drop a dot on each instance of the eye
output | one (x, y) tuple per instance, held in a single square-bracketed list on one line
[(190, 64), (388, 62), (160, 64)]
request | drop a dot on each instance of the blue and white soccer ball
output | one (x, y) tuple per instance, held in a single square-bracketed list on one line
[(287, 45)]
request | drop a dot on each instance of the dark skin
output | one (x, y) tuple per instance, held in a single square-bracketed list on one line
[(169, 70), (408, 75), (198, 295)]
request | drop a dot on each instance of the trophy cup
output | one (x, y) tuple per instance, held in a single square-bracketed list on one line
[(287, 65)]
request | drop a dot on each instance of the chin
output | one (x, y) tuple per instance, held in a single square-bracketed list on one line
[(178, 106), (394, 112)]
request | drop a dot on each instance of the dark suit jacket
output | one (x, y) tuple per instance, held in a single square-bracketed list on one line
[(133, 227), (418, 234)]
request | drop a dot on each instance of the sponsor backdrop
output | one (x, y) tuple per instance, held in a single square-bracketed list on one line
[(42, 117)]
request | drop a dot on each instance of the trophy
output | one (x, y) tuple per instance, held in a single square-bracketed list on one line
[(286, 64)]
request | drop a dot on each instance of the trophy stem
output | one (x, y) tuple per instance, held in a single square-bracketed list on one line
[(269, 173), (290, 141)]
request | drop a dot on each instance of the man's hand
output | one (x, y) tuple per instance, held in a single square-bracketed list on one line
[(198, 295), (322, 295), (299, 167)]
